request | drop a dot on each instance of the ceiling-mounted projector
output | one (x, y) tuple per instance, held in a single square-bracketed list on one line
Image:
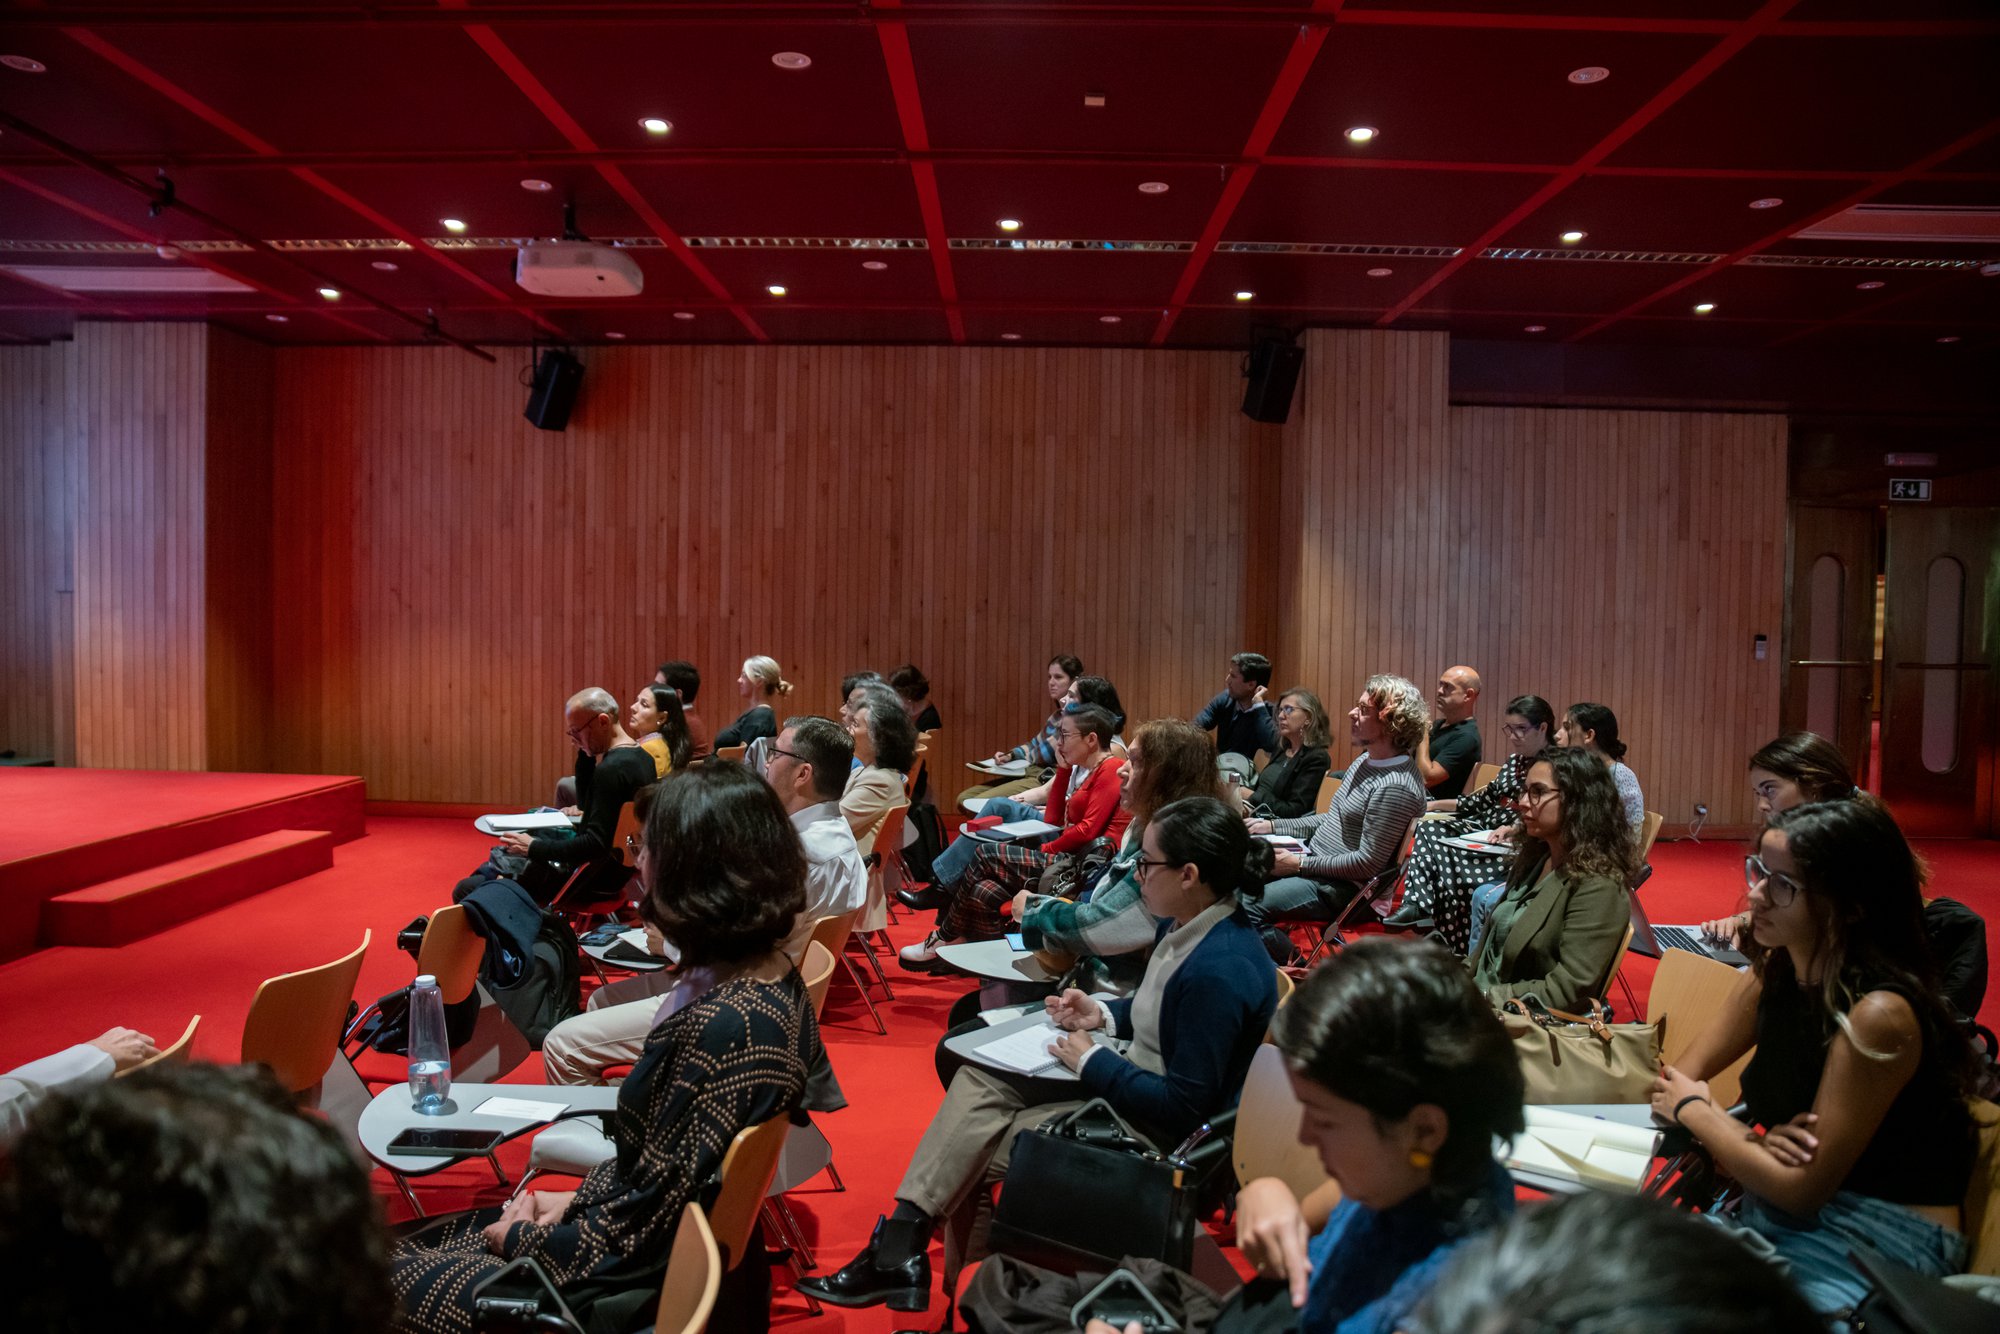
[(576, 268)]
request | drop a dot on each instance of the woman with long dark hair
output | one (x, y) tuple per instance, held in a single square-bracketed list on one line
[(1860, 1074), (658, 723), (1561, 916), (1797, 768), (1440, 875), (1594, 728)]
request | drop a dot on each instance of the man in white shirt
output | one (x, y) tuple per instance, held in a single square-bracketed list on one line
[(77, 1067), (807, 767)]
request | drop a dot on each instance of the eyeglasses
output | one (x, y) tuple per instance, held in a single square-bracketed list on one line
[(773, 748), (1284, 709), (1536, 794), (1779, 888), (1516, 730), (1145, 864)]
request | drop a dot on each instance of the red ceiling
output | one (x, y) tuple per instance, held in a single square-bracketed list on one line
[(920, 123)]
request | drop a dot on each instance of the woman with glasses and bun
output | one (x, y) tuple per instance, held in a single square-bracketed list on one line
[(1440, 875), (1860, 1076)]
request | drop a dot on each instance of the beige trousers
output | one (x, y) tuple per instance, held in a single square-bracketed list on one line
[(611, 1030)]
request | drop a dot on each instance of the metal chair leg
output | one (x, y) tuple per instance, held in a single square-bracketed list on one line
[(526, 1177), (789, 1224), (1631, 1001), (868, 950), (409, 1195), (861, 986), (833, 1175), (498, 1174)]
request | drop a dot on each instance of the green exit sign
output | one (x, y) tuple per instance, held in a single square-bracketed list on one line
[(1909, 488)]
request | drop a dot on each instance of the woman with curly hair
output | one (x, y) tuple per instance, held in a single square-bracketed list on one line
[(1561, 919), (1440, 875), (724, 878), (1360, 835)]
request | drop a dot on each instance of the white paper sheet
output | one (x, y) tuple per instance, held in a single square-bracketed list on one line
[(1603, 1155), (1026, 1051), (525, 821), (521, 1109)]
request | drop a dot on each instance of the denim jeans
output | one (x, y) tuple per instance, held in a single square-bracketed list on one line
[(1292, 898), (951, 864), (1484, 900), (1815, 1252)]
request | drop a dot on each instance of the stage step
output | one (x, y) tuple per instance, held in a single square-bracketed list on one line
[(131, 907)]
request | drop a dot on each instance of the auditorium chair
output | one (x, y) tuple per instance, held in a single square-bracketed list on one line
[(731, 753), (180, 1052), (451, 951), (1370, 904), (694, 1276), (1328, 786), (1649, 830), (1482, 774), (294, 1024)]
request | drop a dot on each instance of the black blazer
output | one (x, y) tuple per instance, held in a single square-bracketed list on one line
[(1289, 785)]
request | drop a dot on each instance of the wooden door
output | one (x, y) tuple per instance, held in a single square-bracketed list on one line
[(1830, 628), (1943, 578)]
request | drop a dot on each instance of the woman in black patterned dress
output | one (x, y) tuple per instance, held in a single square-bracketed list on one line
[(734, 1054), (1439, 877)]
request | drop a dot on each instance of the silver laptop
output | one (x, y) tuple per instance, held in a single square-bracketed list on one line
[(1651, 940)]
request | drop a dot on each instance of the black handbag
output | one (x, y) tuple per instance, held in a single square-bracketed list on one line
[(1084, 1190)]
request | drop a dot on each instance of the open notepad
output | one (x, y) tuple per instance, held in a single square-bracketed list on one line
[(1602, 1155), (1012, 829), (1026, 1050), (526, 821)]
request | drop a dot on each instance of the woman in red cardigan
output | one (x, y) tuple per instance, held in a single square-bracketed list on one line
[(1083, 799)]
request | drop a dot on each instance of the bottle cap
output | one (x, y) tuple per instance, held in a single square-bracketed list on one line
[(426, 980)]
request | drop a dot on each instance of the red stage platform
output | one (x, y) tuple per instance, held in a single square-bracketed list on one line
[(104, 856)]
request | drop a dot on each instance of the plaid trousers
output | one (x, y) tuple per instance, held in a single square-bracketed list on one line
[(997, 874)]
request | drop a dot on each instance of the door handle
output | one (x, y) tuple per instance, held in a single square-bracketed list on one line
[(1833, 662), (1946, 666)]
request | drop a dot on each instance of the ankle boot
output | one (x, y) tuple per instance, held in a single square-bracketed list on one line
[(927, 898), (893, 1268), (1406, 916)]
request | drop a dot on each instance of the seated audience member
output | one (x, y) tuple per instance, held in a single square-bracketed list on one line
[(1038, 750), (1601, 1262), (982, 877), (1288, 786), (656, 719), (1560, 916), (681, 677), (1084, 690), (1405, 1078), (760, 683), (1800, 767), (70, 1070), (1860, 1074), (1361, 834), (1239, 716), (725, 886), (850, 692), (808, 765), (1450, 749), (1594, 728), (610, 767), (189, 1199), (1193, 1026), (914, 689), (1439, 877), (885, 741)]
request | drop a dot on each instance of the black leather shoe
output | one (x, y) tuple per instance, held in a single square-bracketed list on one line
[(1405, 917), (928, 899), (894, 1268)]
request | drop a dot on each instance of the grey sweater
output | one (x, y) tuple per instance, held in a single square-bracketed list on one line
[(1361, 833)]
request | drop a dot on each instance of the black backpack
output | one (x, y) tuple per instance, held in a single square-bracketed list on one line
[(550, 989)]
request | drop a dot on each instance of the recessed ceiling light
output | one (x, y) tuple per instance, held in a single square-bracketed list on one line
[(613, 333), (278, 319), (1360, 134), (330, 293), (167, 251), (1152, 187), (1949, 338), (1245, 296), (1571, 238), (776, 289), (1769, 201), (1095, 101), (1380, 273), (386, 265), (1704, 308), (25, 64), (791, 60), (1870, 285), (1534, 328), (452, 225), (683, 314), (1011, 337), (536, 186), (1009, 224), (654, 125), (1110, 319), (873, 264), (1589, 74)]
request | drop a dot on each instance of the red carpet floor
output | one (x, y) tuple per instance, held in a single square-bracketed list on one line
[(406, 866)]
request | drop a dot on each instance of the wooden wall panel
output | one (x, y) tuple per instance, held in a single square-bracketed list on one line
[(236, 562), (1624, 557), (447, 575), (137, 408), (36, 502)]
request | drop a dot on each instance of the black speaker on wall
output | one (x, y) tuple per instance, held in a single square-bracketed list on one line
[(1272, 369), (557, 376)]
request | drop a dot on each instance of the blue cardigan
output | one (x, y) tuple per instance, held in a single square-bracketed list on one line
[(1213, 1015)]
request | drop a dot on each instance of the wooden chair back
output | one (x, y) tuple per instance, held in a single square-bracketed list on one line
[(1266, 1143), (1982, 1193), (1482, 774), (1649, 829), (295, 1019), (747, 1172), (694, 1276), (916, 772), (831, 933), (180, 1052), (1286, 986), (816, 971), (731, 753), (1611, 974), (451, 952), (625, 839), (1327, 787), (1690, 991)]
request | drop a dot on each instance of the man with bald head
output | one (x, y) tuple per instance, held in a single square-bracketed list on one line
[(610, 767), (1447, 756)]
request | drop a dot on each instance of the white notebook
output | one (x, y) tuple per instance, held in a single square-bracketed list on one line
[(528, 820), (1603, 1155), (1026, 1051)]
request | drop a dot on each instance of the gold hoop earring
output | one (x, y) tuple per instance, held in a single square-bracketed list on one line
[(1421, 1160)]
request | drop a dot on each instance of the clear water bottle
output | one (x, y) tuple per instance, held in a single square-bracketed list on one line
[(430, 1050)]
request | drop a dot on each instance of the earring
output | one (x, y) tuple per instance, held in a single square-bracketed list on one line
[(1420, 1160)]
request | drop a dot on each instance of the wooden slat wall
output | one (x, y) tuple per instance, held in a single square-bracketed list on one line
[(1624, 557), (239, 643), (446, 575), (137, 408), (35, 506)]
